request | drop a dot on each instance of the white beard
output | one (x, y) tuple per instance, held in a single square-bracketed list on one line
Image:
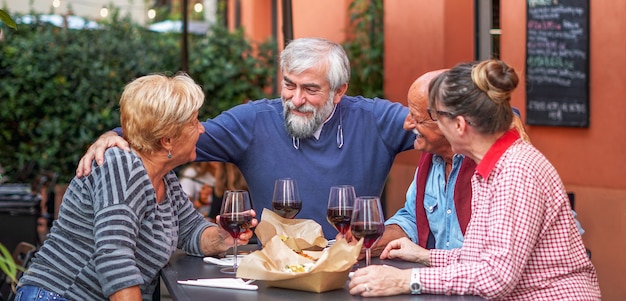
[(303, 127)]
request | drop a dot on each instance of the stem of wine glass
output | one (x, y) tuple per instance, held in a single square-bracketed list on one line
[(367, 257), (235, 256)]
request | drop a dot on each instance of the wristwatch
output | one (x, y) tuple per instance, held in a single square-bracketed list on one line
[(416, 285)]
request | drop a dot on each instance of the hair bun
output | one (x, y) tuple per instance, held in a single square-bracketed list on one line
[(496, 79)]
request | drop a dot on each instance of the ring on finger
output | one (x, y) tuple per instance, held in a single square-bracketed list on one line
[(367, 288)]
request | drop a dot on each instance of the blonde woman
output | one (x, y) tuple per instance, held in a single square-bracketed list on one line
[(119, 226)]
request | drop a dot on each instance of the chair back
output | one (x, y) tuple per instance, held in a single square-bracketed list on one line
[(22, 253)]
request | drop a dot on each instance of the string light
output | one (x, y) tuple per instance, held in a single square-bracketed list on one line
[(198, 7), (104, 12), (131, 6)]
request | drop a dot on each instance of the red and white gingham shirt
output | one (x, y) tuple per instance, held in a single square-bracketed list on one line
[(521, 242)]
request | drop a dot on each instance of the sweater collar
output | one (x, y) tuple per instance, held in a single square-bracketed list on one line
[(495, 152)]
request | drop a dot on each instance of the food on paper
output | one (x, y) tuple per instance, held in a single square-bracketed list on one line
[(298, 234), (305, 255), (299, 268), (280, 266)]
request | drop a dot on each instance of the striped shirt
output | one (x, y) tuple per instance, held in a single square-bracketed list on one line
[(111, 234), (521, 242)]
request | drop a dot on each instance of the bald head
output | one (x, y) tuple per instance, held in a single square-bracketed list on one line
[(418, 92), (428, 137)]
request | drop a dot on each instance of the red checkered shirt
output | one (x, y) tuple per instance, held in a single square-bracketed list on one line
[(521, 242)]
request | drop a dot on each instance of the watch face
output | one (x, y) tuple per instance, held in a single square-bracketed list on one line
[(416, 288)]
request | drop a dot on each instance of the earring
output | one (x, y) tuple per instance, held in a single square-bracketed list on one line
[(169, 154)]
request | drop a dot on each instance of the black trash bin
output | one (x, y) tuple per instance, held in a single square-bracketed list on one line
[(19, 210)]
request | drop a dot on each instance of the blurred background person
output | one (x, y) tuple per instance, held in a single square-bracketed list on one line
[(227, 177), (197, 181)]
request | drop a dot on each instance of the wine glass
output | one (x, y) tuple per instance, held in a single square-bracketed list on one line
[(235, 218), (367, 222), (340, 204), (286, 201)]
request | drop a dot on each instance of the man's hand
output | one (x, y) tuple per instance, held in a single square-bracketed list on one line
[(96, 151)]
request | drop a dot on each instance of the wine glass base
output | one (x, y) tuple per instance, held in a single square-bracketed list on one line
[(229, 270)]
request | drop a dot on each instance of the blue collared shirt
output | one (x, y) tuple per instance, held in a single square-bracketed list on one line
[(439, 205)]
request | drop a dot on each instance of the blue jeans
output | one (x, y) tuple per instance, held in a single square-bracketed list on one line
[(32, 293)]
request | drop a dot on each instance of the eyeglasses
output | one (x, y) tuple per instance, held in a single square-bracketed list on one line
[(421, 122), (432, 113)]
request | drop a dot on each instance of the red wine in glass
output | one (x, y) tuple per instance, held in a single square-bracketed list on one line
[(367, 222), (287, 209), (235, 218), (370, 232), (339, 209), (235, 223), (340, 218), (286, 201)]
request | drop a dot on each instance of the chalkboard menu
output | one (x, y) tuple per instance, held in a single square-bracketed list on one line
[(557, 63)]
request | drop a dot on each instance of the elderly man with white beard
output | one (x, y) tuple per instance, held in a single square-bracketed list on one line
[(314, 133)]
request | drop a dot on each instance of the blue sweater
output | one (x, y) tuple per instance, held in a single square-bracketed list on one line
[(253, 136)]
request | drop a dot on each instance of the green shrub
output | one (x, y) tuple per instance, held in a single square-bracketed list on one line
[(366, 48), (59, 88)]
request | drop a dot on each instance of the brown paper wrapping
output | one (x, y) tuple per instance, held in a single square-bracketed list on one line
[(298, 234), (329, 272)]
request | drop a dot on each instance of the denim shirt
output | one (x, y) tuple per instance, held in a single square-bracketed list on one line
[(439, 205)]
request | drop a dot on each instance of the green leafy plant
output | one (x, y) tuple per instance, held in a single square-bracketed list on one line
[(60, 88), (6, 19), (365, 47), (8, 266)]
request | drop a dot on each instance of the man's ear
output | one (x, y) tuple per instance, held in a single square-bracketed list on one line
[(339, 93)]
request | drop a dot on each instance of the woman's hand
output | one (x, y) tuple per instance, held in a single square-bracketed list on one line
[(216, 240), (244, 237), (379, 280), (403, 248)]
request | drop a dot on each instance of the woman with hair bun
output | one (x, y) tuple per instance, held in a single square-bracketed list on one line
[(521, 242)]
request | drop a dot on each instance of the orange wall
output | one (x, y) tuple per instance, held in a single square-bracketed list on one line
[(311, 18), (421, 36), (256, 18)]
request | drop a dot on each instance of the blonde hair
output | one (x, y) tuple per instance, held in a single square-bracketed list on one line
[(155, 106), (519, 126)]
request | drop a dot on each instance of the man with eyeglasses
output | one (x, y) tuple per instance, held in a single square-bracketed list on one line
[(438, 200)]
